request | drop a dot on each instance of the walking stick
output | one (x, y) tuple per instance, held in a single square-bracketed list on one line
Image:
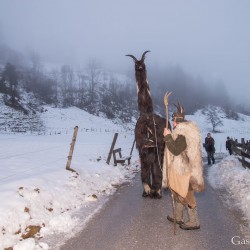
[(172, 193), (174, 210), (166, 104)]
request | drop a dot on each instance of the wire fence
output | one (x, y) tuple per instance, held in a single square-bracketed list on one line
[(59, 131), (60, 152)]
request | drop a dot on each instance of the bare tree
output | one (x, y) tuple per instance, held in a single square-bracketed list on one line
[(82, 86), (33, 76), (10, 81), (67, 77), (94, 74), (54, 73), (212, 116), (113, 87)]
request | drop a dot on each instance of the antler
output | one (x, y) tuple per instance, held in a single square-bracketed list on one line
[(143, 55), (135, 60)]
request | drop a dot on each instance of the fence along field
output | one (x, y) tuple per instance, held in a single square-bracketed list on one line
[(21, 153), (242, 151)]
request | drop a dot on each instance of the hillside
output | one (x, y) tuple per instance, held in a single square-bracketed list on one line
[(46, 119), (22, 120), (43, 119)]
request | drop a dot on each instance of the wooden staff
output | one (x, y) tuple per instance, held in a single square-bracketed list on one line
[(166, 104), (165, 154)]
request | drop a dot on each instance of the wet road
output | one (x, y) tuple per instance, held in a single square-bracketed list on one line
[(129, 221)]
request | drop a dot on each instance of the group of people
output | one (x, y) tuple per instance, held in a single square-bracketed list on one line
[(210, 148)]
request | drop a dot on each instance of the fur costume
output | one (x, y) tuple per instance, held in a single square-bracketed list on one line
[(148, 134), (189, 162), (150, 144)]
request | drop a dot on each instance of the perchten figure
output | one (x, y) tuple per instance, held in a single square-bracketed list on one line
[(184, 167)]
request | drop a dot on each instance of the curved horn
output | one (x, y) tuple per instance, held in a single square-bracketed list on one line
[(180, 108), (143, 55), (135, 60)]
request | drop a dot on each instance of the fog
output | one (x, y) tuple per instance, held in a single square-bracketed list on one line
[(207, 39)]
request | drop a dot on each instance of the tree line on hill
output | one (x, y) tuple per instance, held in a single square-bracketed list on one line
[(99, 92), (92, 89)]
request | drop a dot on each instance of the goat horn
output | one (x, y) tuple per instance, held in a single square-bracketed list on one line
[(143, 55), (135, 60), (180, 108)]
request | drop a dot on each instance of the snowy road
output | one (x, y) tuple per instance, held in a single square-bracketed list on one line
[(129, 221)]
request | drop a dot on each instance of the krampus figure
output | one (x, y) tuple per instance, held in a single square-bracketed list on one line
[(148, 134)]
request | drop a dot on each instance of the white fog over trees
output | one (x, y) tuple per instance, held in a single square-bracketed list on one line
[(99, 91)]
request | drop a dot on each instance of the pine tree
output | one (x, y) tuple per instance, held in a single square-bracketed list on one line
[(9, 81)]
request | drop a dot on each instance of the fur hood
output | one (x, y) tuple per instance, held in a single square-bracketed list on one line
[(190, 160)]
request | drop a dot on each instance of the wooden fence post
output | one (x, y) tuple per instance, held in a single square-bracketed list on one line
[(72, 145), (132, 147), (111, 148), (243, 150)]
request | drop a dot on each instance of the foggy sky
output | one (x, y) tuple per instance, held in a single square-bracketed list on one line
[(210, 39)]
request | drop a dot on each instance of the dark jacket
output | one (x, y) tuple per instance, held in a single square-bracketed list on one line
[(228, 144), (209, 145)]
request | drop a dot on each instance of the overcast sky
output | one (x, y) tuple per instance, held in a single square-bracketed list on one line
[(207, 38)]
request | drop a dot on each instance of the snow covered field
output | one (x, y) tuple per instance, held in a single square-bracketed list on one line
[(36, 190)]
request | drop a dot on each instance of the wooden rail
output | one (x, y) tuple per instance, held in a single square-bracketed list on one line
[(242, 150)]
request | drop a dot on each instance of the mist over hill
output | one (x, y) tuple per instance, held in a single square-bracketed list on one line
[(27, 83)]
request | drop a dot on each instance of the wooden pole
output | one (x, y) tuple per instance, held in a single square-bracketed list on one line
[(243, 150), (165, 155), (132, 147), (72, 145), (112, 148), (166, 104), (165, 150)]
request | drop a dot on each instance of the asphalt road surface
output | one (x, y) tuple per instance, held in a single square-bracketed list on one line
[(129, 221)]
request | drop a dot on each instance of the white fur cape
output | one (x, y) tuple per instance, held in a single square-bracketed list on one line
[(190, 160)]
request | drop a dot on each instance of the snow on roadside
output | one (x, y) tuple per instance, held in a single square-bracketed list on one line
[(229, 175)]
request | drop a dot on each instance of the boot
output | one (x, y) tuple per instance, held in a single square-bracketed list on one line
[(193, 222), (179, 214)]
